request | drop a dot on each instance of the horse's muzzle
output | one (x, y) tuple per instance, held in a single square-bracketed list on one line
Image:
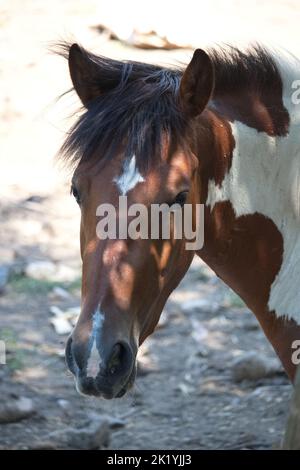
[(115, 375)]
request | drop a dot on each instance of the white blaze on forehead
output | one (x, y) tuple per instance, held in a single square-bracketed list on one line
[(129, 178), (265, 177), (94, 359)]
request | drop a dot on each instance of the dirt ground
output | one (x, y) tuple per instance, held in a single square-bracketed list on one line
[(185, 395)]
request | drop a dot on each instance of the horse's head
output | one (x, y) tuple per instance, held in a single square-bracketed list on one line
[(133, 145)]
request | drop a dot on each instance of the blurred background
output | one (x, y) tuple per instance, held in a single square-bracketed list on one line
[(207, 377)]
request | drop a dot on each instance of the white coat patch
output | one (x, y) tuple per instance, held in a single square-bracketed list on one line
[(265, 177), (94, 359), (129, 178)]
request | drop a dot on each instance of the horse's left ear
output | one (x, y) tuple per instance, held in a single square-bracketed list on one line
[(84, 73), (197, 84)]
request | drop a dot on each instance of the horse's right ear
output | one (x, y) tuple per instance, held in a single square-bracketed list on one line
[(197, 84), (84, 72)]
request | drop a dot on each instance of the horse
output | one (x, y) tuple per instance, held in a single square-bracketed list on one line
[(223, 133)]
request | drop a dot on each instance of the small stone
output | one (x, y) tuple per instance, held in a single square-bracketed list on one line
[(253, 366), (116, 423), (56, 311), (113, 422), (202, 351), (61, 325), (95, 435), (41, 270), (65, 273), (64, 404), (49, 271), (184, 388), (59, 294), (70, 314), (17, 410), (64, 320)]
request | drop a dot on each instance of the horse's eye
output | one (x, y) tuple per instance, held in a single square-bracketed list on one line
[(75, 193), (181, 198)]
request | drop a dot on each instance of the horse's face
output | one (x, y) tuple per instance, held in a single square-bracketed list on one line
[(125, 280)]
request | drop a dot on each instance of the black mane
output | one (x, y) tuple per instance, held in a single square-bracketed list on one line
[(139, 103), (236, 70)]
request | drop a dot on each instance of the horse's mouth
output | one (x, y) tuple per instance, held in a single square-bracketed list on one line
[(89, 386), (125, 389)]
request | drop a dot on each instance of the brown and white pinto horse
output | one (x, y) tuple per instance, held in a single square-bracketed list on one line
[(224, 133)]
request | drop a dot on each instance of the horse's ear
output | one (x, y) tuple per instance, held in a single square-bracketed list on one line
[(84, 72), (197, 84)]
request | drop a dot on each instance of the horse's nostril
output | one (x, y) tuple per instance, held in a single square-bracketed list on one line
[(114, 360), (119, 359)]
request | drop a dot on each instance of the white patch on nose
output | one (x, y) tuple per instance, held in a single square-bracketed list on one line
[(94, 359), (129, 178)]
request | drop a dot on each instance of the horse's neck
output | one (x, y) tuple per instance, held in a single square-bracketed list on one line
[(250, 185), (256, 177)]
